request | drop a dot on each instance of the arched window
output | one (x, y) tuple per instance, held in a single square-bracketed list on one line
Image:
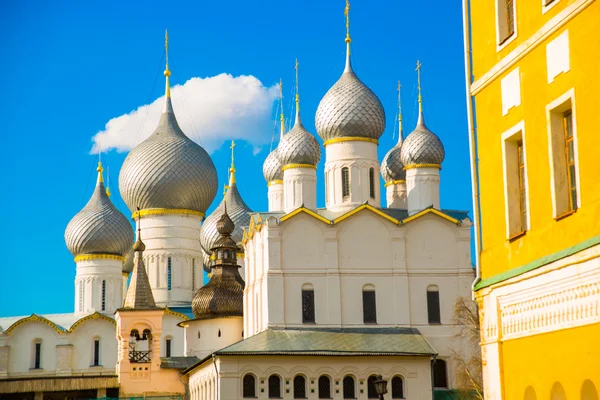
[(530, 394), (308, 304), (345, 182), (324, 387), (169, 273), (168, 346), (36, 362), (371, 392), (369, 305), (588, 391), (274, 387), (349, 387), (96, 353), (103, 305), (372, 183), (249, 386), (557, 392), (397, 388), (440, 375), (433, 305), (300, 387)]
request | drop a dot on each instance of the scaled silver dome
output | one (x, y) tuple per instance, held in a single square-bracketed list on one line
[(298, 146), (239, 213), (99, 228), (392, 168), (272, 167), (168, 170), (350, 109), (422, 146)]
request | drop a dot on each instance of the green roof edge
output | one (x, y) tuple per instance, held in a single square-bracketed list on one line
[(540, 262)]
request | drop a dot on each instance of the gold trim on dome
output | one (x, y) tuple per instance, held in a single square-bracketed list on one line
[(350, 139), (166, 211), (240, 255), (412, 166), (289, 166), (89, 257), (275, 182), (396, 182)]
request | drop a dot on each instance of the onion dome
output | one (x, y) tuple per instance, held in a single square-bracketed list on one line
[(168, 170), (128, 263), (299, 146), (350, 109), (392, 169), (272, 167), (223, 295), (99, 228), (239, 213)]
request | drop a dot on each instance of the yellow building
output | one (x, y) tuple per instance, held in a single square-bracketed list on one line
[(533, 68)]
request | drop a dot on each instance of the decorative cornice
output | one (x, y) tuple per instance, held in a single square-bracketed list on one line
[(396, 182), (306, 211), (168, 311), (34, 318), (431, 211), (350, 139), (366, 207), (95, 315), (413, 166), (166, 211), (275, 182), (290, 166), (89, 257)]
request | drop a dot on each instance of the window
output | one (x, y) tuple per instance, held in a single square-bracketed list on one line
[(169, 273), (299, 387), (37, 355), (515, 181), (324, 387), (96, 361), (249, 386), (371, 392), (345, 182), (433, 305), (168, 348), (349, 388), (274, 387), (397, 388), (510, 17), (369, 306), (439, 374), (308, 306), (506, 20), (193, 274), (372, 183), (103, 295), (563, 154)]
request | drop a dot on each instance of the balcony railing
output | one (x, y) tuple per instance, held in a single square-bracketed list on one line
[(139, 356)]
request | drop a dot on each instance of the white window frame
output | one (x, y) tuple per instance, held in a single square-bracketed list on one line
[(499, 44), (568, 95), (548, 6), (505, 137)]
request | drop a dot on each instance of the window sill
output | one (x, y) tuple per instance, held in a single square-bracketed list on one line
[(506, 41), (96, 366), (565, 215), (517, 236), (547, 7), (434, 323), (370, 323), (36, 369)]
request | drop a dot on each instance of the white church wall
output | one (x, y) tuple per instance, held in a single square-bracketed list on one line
[(22, 348), (205, 336), (431, 244), (176, 334), (303, 244), (82, 339), (364, 242)]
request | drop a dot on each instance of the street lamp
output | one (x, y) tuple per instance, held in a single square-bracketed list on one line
[(380, 386)]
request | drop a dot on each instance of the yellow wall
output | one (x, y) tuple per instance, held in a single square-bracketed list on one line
[(569, 357), (545, 235)]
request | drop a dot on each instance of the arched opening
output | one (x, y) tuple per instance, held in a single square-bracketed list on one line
[(372, 182), (588, 391), (397, 387), (300, 387), (36, 359), (345, 183), (140, 346), (249, 386), (96, 352), (274, 387), (440, 375), (308, 304), (349, 387), (371, 392), (433, 305), (369, 305), (324, 387), (557, 392), (103, 299), (530, 394), (169, 273)]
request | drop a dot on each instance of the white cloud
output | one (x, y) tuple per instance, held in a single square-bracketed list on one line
[(209, 111)]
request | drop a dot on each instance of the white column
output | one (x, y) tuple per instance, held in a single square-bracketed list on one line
[(275, 195), (396, 195), (423, 189), (299, 188)]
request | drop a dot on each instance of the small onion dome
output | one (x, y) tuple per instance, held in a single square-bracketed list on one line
[(298, 146), (128, 263), (422, 147), (99, 228), (168, 170), (392, 168), (272, 167), (239, 213), (350, 109), (223, 295)]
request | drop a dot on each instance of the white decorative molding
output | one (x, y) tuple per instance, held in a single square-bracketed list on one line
[(557, 56), (510, 86)]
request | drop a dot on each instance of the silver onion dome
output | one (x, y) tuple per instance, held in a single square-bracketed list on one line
[(168, 170), (272, 167), (422, 146), (239, 213), (392, 168), (350, 109), (99, 228), (298, 146)]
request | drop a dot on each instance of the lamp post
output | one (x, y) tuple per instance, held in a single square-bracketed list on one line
[(380, 386)]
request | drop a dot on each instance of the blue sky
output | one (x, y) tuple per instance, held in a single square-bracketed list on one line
[(70, 67)]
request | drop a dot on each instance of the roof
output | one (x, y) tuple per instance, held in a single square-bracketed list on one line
[(347, 341), (185, 310), (178, 362), (60, 322)]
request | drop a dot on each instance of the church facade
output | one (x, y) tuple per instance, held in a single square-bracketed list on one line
[(302, 302)]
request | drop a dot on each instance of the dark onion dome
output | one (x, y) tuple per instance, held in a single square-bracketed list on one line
[(239, 213), (99, 228), (128, 263), (350, 110), (223, 295), (168, 170), (422, 148), (272, 167), (392, 169), (298, 146), (139, 292)]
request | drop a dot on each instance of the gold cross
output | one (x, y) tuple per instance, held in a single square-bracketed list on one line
[(167, 46), (297, 95), (419, 79), (347, 14)]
